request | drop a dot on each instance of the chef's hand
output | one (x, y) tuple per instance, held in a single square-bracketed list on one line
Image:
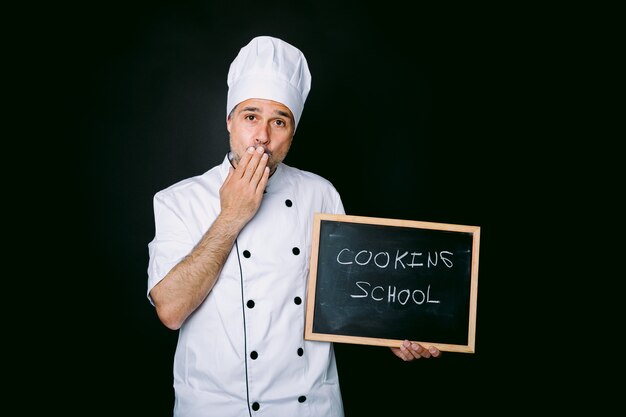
[(242, 191), (409, 351)]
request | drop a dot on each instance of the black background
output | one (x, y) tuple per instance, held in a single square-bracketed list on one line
[(413, 114)]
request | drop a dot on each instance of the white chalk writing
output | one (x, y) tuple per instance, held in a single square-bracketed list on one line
[(392, 295), (383, 259)]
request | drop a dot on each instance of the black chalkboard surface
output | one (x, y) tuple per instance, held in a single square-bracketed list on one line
[(379, 281)]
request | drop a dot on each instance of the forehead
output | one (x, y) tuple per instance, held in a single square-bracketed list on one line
[(264, 106)]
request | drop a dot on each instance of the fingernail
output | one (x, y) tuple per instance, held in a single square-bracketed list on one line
[(250, 149), (260, 149)]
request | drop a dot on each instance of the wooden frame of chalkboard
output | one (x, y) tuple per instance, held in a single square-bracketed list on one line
[(378, 281)]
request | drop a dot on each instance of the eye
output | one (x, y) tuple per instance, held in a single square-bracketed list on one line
[(250, 117), (280, 122)]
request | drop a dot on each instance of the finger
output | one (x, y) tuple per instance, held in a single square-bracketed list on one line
[(260, 170), (434, 351), (398, 352), (253, 164), (408, 352), (419, 350), (244, 161), (264, 178)]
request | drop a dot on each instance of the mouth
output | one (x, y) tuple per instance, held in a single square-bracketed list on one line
[(269, 153), (234, 158)]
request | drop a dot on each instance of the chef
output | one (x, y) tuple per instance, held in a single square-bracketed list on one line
[(229, 261), (237, 288)]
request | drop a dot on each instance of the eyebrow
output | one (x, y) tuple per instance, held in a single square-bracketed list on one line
[(258, 110), (283, 113), (250, 108)]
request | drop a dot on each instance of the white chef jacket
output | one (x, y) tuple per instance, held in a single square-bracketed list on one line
[(242, 352)]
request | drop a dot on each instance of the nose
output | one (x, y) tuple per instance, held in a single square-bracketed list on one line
[(262, 135)]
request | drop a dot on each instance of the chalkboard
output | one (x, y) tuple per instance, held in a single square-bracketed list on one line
[(377, 281)]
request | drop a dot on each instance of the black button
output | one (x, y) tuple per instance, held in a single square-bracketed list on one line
[(256, 406), (301, 399), (297, 300), (300, 351), (296, 251), (250, 304), (246, 254), (288, 203), (254, 355)]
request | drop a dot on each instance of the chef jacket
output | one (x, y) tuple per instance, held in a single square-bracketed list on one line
[(242, 351)]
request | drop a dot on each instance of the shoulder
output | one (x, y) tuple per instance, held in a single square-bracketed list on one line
[(306, 177), (317, 192), (203, 184)]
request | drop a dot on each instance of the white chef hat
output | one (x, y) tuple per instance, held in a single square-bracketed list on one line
[(269, 68)]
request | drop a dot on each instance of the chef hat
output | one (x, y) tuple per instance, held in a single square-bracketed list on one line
[(269, 68)]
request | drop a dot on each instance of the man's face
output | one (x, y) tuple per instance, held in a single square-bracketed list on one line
[(257, 122)]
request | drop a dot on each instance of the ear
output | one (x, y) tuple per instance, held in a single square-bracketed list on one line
[(228, 120)]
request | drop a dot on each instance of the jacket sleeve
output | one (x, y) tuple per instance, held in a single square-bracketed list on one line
[(171, 243)]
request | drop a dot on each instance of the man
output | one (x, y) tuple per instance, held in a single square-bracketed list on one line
[(229, 260)]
